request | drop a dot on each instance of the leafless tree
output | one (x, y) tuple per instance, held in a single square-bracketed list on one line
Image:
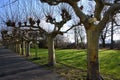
[(79, 36), (93, 25), (58, 25)]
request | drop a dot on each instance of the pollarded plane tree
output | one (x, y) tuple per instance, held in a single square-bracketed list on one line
[(15, 35), (58, 25), (4, 37), (7, 36), (7, 39), (11, 12), (15, 40), (51, 35), (94, 25), (25, 33)]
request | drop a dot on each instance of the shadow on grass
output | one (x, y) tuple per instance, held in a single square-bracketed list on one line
[(70, 72), (38, 58)]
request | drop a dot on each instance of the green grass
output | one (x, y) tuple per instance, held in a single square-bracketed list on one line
[(42, 56), (110, 63), (71, 63)]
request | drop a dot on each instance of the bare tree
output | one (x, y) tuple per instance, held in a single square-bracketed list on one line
[(93, 25), (105, 34), (66, 16), (109, 30), (61, 41), (76, 38), (114, 23), (10, 13), (79, 36)]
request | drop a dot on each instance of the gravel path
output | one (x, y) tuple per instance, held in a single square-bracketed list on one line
[(15, 67)]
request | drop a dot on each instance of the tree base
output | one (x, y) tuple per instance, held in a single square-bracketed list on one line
[(51, 64), (100, 78), (37, 58)]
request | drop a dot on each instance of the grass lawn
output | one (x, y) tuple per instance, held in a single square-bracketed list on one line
[(71, 63)]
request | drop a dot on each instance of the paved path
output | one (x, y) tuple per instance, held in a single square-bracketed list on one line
[(15, 67)]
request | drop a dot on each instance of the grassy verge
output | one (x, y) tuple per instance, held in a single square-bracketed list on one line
[(71, 63)]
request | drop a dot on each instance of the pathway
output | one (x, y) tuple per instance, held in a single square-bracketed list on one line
[(15, 67)]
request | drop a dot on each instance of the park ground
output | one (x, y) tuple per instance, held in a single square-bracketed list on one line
[(16, 67), (71, 63)]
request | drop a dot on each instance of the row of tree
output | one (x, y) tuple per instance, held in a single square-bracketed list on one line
[(30, 29), (93, 23)]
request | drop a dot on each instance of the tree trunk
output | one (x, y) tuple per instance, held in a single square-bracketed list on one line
[(103, 43), (92, 55), (23, 47), (36, 50), (27, 48), (14, 49), (36, 47), (51, 51), (76, 38), (112, 41), (19, 48)]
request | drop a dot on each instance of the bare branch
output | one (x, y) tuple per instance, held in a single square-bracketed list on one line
[(116, 23), (98, 9), (8, 3), (71, 28), (55, 2), (108, 13), (108, 4), (79, 13), (77, 10)]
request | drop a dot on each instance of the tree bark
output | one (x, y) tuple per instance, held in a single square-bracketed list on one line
[(76, 38), (92, 55), (27, 48), (36, 50), (14, 47), (23, 47), (112, 41), (51, 51), (103, 43), (19, 48)]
